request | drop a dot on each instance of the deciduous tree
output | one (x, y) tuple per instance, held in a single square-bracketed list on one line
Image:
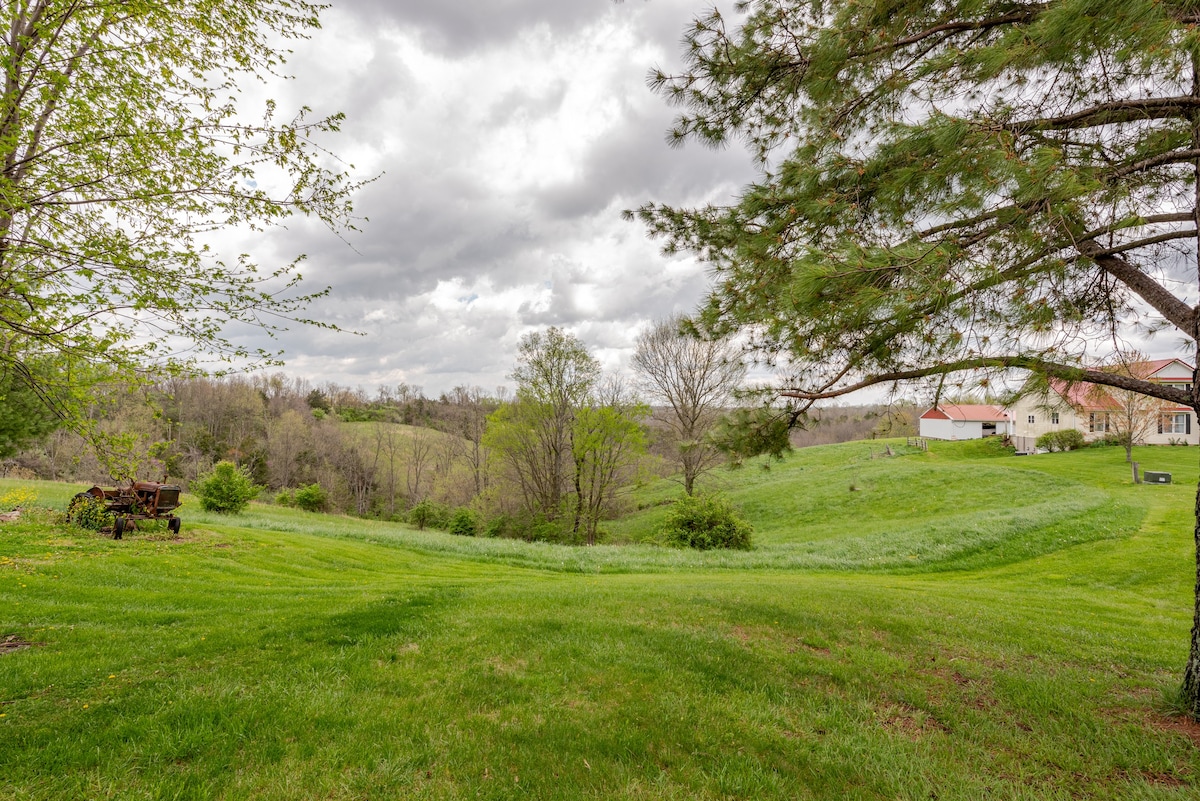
[(947, 187), (694, 378), (555, 375), (607, 439), (122, 149)]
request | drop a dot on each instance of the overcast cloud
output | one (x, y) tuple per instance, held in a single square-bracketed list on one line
[(508, 135)]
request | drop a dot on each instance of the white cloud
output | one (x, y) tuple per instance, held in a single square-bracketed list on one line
[(509, 142)]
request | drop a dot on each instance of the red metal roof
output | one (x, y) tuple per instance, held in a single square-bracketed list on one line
[(1153, 366), (975, 413), (1084, 395)]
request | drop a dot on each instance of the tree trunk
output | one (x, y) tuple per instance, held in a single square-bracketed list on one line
[(1191, 675), (1190, 693)]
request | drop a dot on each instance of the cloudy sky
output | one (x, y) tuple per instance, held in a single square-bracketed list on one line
[(508, 135)]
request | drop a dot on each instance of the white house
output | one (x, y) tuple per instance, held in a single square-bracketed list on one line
[(964, 421), (1094, 412)]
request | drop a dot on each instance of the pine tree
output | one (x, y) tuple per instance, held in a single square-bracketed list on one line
[(964, 187)]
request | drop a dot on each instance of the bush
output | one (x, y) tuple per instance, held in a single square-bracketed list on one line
[(463, 522), (227, 489), (500, 526), (285, 497), (88, 511), (705, 521), (1109, 441), (1069, 439), (429, 514), (311, 498)]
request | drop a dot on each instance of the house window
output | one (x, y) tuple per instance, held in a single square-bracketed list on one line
[(1054, 418), (1175, 423), (1098, 422), (1031, 419)]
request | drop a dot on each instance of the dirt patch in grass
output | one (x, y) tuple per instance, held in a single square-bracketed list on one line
[(14, 642), (1178, 724), (909, 722), (1155, 777)]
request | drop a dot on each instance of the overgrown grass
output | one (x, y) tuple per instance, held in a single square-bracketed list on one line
[(279, 654)]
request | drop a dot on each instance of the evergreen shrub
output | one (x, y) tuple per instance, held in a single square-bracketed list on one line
[(311, 498), (228, 489), (463, 522), (705, 521)]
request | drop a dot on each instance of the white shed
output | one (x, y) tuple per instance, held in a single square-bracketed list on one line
[(964, 421)]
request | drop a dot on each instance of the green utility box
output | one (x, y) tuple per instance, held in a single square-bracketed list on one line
[(1151, 477)]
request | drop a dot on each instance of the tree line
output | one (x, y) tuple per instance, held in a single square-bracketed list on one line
[(549, 460)]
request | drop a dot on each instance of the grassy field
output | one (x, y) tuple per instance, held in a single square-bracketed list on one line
[(952, 624)]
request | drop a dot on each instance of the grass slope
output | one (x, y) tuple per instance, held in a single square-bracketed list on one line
[(1020, 654)]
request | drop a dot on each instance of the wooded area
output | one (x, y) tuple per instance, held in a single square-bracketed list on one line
[(374, 454)]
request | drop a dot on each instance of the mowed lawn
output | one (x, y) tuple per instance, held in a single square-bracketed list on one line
[(951, 624)]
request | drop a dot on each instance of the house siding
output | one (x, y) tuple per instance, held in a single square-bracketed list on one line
[(1042, 410), (951, 429)]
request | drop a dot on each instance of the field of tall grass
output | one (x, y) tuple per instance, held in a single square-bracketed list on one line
[(951, 624)]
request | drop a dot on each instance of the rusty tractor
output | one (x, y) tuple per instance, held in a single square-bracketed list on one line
[(141, 500)]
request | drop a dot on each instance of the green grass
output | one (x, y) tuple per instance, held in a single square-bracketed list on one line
[(960, 625)]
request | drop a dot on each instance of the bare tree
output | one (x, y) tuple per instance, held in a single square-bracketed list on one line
[(386, 442), (466, 416), (694, 378), (1133, 416), (420, 448), (287, 438)]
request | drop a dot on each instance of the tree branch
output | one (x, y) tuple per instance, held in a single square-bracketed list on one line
[(1178, 313), (1031, 363), (1118, 111)]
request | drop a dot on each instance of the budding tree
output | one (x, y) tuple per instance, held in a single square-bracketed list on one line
[(122, 150)]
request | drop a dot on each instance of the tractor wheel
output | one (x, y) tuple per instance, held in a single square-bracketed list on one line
[(173, 525), (118, 528)]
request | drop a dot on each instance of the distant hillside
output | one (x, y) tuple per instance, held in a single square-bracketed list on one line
[(833, 424)]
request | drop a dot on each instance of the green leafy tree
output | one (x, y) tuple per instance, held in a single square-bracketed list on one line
[(949, 188), (121, 149), (228, 489), (24, 415), (607, 439), (555, 375)]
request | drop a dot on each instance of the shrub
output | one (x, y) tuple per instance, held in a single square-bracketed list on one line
[(227, 489), (429, 514), (1109, 441), (1069, 439), (285, 497), (311, 498), (499, 526), (463, 522), (705, 521), (88, 511)]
